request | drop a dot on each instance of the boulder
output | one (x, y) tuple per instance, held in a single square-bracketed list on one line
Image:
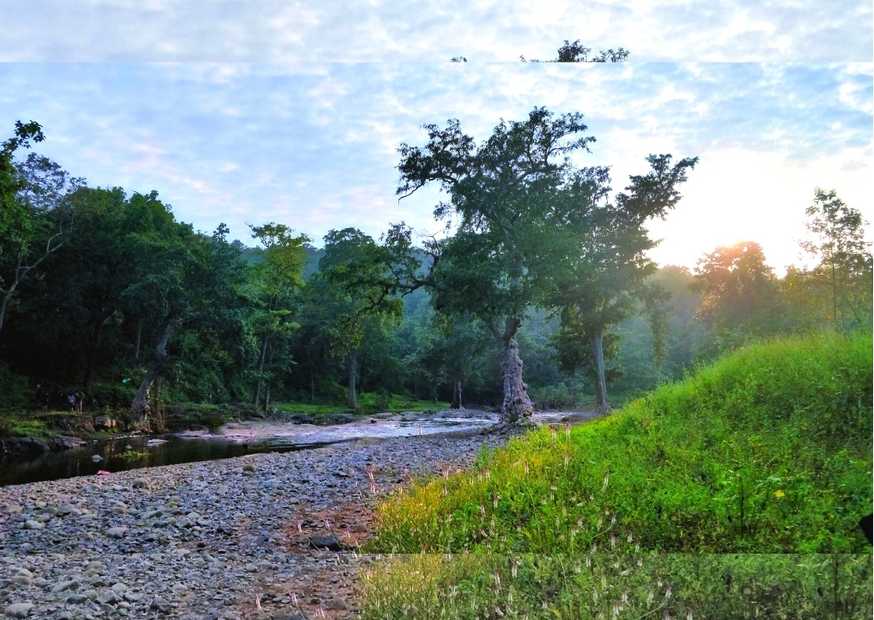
[(105, 422)]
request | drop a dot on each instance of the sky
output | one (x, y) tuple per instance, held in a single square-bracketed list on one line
[(247, 112)]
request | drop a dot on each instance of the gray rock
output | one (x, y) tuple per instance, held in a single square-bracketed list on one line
[(327, 541), (139, 483), (107, 596), (117, 532), (66, 584), (18, 610), (32, 524)]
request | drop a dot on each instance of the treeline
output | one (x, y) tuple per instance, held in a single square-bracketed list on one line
[(105, 295)]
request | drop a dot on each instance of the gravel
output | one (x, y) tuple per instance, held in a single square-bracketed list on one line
[(202, 540)]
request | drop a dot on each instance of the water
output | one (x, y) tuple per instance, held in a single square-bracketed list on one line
[(243, 438), (232, 440)]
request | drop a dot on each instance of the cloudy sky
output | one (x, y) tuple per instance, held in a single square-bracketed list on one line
[(245, 112)]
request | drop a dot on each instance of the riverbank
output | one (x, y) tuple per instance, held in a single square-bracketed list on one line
[(266, 535), (25, 434)]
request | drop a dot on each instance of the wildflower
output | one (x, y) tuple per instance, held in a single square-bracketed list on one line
[(779, 494)]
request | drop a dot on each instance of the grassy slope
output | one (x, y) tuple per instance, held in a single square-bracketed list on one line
[(766, 451)]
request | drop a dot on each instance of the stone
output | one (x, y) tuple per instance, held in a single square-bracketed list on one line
[(117, 532), (66, 584), (327, 541), (107, 596), (249, 467), (119, 588), (96, 458), (76, 599), (139, 483), (18, 610), (105, 422), (66, 509), (32, 524)]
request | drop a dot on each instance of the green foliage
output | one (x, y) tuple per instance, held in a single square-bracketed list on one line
[(837, 291), (739, 292), (19, 426), (370, 403), (14, 388)]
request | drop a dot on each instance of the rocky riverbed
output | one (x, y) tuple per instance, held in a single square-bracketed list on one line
[(262, 536)]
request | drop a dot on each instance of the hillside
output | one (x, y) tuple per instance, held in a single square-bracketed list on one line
[(767, 451)]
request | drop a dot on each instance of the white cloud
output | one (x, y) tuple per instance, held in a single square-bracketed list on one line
[(277, 31)]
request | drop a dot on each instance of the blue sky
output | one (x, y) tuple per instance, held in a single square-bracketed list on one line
[(249, 112)]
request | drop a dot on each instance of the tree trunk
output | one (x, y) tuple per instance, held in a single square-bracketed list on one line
[(141, 405), (600, 372), (516, 408), (352, 362), (139, 340), (4, 305), (456, 396), (262, 360), (93, 344)]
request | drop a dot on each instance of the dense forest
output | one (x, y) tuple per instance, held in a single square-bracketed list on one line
[(110, 302)]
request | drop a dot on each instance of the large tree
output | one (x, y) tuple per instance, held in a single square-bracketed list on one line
[(843, 272), (503, 194), (739, 293), (33, 219), (604, 274), (356, 286), (527, 218), (277, 279)]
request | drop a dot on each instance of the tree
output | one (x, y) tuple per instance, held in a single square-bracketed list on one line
[(278, 277), (356, 281), (843, 273), (606, 270), (520, 202), (577, 52), (739, 292), (32, 224)]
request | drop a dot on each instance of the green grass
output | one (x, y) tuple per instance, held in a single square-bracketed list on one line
[(767, 451), (369, 403), (17, 426)]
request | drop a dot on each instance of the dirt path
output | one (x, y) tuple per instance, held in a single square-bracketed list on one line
[(261, 536)]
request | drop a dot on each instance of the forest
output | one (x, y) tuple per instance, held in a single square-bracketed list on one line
[(502, 403), (542, 295)]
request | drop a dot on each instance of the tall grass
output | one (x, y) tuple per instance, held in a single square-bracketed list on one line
[(767, 451)]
